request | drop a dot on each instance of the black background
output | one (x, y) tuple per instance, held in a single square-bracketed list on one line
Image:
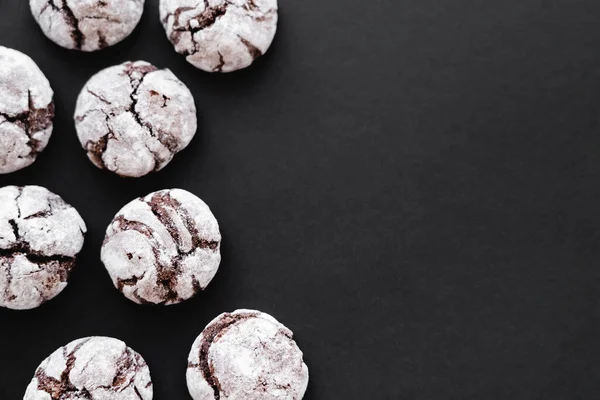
[(412, 186)]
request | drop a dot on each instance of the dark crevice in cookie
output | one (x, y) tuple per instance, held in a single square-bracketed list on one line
[(166, 277), (15, 228), (176, 14), (165, 139), (124, 366), (209, 16), (40, 214), (97, 148), (130, 69), (21, 247), (121, 283), (252, 49), (123, 224), (219, 68), (32, 121), (212, 333), (204, 20), (62, 264), (160, 203), (137, 393), (127, 225), (58, 388), (251, 5), (96, 95), (70, 19), (19, 194)]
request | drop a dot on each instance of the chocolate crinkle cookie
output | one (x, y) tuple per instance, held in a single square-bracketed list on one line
[(26, 110), (87, 25), (133, 118), (246, 355), (92, 368), (40, 235), (220, 35), (162, 248)]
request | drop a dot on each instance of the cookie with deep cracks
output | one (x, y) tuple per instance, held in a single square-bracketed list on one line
[(87, 25), (92, 368), (220, 35), (133, 118), (26, 110), (246, 355), (40, 236), (162, 248)]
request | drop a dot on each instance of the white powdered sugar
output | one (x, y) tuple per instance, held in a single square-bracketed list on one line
[(26, 110), (99, 368), (246, 355), (87, 25), (163, 248), (133, 118), (220, 35), (40, 235)]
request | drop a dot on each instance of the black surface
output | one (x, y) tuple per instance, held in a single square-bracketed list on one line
[(413, 187)]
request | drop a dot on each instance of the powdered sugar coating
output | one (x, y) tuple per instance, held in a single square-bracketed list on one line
[(26, 110), (133, 118), (220, 35), (163, 248), (40, 236), (246, 355), (98, 368), (87, 25)]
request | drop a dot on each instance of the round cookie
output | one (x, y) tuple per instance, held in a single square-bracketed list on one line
[(163, 248), (26, 110), (133, 118), (246, 355), (40, 235), (87, 25), (220, 35), (92, 368)]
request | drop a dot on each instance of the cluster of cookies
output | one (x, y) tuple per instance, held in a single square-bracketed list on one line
[(163, 248)]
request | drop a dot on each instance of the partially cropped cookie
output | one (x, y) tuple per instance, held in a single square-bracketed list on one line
[(163, 248), (99, 368), (220, 35), (26, 110), (40, 236), (87, 25), (246, 355), (133, 118)]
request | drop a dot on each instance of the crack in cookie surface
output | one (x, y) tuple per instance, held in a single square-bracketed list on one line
[(210, 334), (109, 366)]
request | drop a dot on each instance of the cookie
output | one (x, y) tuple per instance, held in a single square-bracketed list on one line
[(92, 368), (163, 248), (220, 35), (246, 355), (87, 25), (133, 118), (26, 110), (40, 236)]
